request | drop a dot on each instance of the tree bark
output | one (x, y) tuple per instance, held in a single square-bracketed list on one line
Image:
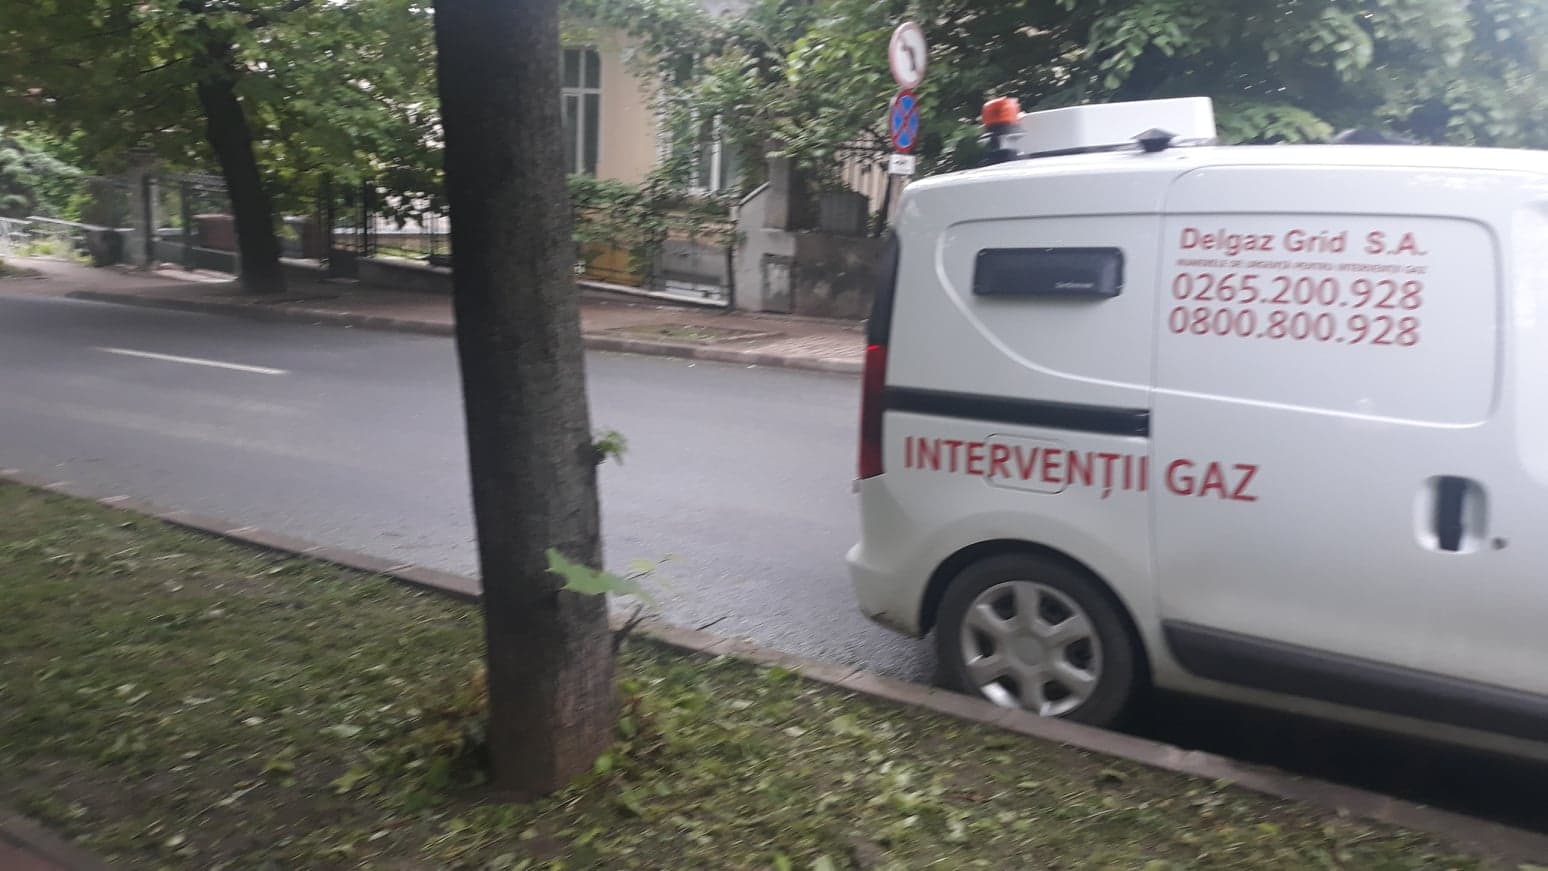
[(551, 693), (229, 135)]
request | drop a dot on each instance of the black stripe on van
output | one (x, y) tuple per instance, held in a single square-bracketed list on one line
[(1298, 671), (1106, 420)]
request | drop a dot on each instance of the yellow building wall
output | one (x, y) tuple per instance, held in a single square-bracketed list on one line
[(627, 135)]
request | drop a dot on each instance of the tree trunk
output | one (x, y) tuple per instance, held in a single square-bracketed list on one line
[(551, 693), (228, 133)]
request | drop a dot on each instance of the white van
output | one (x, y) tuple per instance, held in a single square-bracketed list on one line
[(1263, 423)]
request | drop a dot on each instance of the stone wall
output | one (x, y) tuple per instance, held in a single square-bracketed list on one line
[(834, 276), (398, 274), (804, 272)]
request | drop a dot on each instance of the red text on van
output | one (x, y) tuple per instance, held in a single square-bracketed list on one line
[(1219, 480), (1057, 467)]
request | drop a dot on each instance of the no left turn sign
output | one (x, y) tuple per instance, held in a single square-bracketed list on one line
[(906, 54)]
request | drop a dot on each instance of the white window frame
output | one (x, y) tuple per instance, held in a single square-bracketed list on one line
[(715, 154), (580, 92)]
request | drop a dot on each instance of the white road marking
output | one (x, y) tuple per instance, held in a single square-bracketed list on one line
[(193, 361)]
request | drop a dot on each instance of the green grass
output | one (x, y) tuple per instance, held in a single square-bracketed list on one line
[(52, 246), (173, 701)]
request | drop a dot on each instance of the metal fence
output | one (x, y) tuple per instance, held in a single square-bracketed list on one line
[(194, 228), (346, 215), (695, 261), (83, 218), (422, 236), (13, 235), (679, 252), (683, 250), (862, 168)]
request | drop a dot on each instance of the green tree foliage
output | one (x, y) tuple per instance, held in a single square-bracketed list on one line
[(33, 177), (1439, 70), (811, 76), (340, 87), (353, 97), (334, 86)]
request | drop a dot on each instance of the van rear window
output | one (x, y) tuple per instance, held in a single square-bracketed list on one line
[(879, 328), (1048, 272)]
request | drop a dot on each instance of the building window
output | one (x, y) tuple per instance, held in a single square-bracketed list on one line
[(581, 93), (710, 164), (716, 164)]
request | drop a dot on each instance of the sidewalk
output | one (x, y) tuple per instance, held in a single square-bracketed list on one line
[(27, 846), (609, 322), (14, 858)]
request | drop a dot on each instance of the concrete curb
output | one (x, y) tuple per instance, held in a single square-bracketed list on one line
[(594, 341), (721, 355), (1481, 836), (291, 314), (44, 847)]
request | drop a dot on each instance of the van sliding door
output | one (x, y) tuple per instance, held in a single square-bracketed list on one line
[(1328, 439)]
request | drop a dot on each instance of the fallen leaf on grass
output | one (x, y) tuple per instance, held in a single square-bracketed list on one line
[(629, 800), (846, 725), (279, 764), (233, 798), (342, 730), (349, 780), (956, 832)]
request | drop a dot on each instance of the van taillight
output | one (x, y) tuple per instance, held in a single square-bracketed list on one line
[(871, 407)]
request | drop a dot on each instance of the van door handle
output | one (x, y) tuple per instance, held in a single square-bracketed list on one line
[(1449, 493), (1455, 521)]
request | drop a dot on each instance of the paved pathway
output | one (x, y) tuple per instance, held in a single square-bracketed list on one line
[(610, 321)]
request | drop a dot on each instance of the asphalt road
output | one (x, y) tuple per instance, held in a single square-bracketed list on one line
[(354, 438)]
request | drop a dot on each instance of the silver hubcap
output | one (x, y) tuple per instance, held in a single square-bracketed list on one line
[(1027, 645)]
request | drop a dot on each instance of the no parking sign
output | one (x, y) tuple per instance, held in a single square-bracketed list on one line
[(903, 121)]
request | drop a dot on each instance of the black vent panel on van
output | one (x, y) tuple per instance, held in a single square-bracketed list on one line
[(1048, 272)]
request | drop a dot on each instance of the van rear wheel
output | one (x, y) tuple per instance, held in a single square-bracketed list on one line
[(1026, 631)]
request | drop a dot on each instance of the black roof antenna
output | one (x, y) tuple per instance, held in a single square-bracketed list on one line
[(1155, 139)]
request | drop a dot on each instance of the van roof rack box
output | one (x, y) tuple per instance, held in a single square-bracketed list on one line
[(1112, 126)]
